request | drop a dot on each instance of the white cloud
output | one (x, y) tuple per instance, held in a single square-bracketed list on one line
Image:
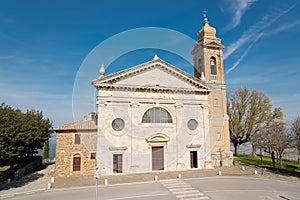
[(283, 27), (253, 34), (238, 8), (244, 54)]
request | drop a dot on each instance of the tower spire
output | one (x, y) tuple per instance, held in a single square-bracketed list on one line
[(205, 16)]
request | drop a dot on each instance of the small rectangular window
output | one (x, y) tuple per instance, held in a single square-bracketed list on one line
[(216, 102), (77, 139), (219, 136), (93, 156)]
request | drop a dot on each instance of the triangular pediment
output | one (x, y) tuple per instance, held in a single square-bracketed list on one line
[(156, 74), (214, 44)]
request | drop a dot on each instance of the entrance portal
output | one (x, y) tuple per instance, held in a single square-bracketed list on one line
[(158, 158), (117, 163), (194, 159)]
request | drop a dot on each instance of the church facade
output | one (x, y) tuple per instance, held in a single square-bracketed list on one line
[(153, 117)]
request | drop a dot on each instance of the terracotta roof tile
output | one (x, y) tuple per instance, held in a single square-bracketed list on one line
[(79, 125)]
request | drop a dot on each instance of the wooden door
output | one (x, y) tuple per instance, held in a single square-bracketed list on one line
[(157, 158), (76, 162)]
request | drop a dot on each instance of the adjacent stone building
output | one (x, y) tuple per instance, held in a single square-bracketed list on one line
[(153, 116), (76, 146)]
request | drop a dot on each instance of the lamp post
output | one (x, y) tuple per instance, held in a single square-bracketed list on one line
[(97, 176)]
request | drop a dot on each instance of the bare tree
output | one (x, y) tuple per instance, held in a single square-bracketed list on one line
[(256, 138), (295, 128), (248, 111), (276, 139)]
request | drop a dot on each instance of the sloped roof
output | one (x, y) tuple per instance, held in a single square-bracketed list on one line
[(83, 125)]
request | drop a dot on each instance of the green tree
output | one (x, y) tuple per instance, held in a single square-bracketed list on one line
[(10, 135), (248, 111), (21, 134), (46, 150)]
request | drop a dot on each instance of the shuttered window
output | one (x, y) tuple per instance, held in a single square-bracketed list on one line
[(77, 139)]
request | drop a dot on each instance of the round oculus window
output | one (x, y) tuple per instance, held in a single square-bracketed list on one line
[(118, 124), (192, 124)]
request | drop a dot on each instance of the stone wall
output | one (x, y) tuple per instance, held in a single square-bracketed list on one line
[(28, 168), (222, 159), (66, 149)]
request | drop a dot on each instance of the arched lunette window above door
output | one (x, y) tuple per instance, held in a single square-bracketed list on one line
[(157, 115)]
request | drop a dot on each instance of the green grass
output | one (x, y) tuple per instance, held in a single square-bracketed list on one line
[(267, 163)]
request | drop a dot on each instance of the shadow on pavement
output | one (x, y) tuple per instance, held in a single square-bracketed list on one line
[(35, 175)]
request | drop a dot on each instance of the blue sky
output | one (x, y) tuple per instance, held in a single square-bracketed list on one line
[(43, 45)]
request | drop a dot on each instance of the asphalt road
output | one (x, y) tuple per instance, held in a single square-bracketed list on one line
[(217, 188)]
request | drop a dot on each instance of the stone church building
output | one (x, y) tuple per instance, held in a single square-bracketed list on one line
[(153, 117)]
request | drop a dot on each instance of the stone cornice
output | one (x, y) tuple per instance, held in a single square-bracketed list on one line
[(152, 89)]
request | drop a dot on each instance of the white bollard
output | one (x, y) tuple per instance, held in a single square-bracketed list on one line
[(8, 180), (105, 181), (179, 176), (49, 186), (243, 168), (52, 179), (255, 171), (155, 178), (220, 173)]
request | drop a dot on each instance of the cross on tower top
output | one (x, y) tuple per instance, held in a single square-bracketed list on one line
[(204, 15)]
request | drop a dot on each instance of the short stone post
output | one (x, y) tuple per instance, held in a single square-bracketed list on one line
[(105, 181), (52, 179), (156, 178), (179, 176), (255, 171), (49, 186), (243, 168), (220, 173)]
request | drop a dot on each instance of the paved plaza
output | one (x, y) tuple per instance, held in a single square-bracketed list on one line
[(234, 183)]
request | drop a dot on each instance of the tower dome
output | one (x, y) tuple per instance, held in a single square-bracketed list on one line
[(206, 31)]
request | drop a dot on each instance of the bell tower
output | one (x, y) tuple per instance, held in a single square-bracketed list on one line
[(208, 55), (208, 66)]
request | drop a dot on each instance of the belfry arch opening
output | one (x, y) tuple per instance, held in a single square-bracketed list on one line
[(213, 68)]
